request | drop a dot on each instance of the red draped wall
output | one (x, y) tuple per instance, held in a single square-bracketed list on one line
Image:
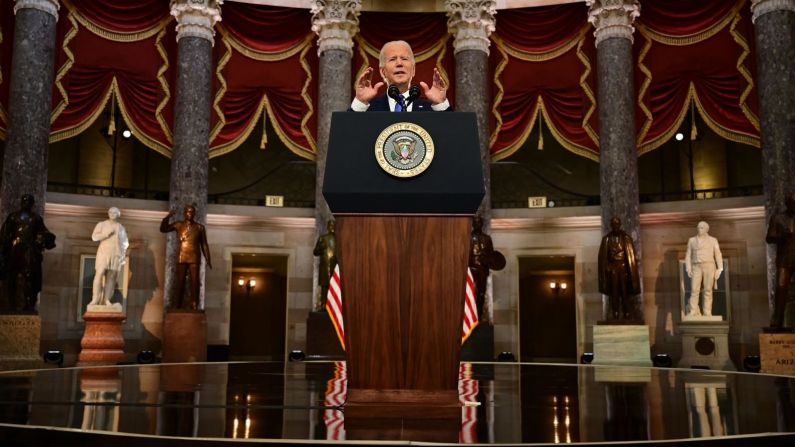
[(688, 56)]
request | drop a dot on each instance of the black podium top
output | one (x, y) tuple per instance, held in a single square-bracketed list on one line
[(354, 182)]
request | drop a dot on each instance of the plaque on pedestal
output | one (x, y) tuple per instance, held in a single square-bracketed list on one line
[(185, 336), (705, 345), (19, 340), (777, 352), (103, 342), (621, 345)]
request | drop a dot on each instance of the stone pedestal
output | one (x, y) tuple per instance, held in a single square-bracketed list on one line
[(705, 344), (777, 352), (321, 338), (185, 336), (102, 342), (625, 347), (19, 340)]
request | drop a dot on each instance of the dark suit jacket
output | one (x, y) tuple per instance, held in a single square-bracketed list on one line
[(381, 104)]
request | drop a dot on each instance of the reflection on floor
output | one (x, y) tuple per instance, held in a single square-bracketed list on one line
[(299, 401)]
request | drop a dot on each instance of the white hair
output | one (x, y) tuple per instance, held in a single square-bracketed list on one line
[(402, 42), (706, 225)]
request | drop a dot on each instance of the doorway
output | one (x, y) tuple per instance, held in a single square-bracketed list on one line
[(547, 309), (258, 307)]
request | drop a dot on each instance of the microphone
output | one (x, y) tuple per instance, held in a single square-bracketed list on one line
[(393, 92), (414, 93)]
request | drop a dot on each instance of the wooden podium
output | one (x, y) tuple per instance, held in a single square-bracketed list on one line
[(403, 248)]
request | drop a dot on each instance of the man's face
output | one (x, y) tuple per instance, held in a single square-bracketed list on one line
[(114, 213), (398, 65), (615, 224), (702, 229), (189, 213)]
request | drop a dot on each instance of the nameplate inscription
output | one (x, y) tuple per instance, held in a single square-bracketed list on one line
[(777, 352)]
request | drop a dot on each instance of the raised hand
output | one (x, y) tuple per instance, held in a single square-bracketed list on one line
[(437, 92), (365, 90)]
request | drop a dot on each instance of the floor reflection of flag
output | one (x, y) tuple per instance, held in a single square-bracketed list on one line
[(336, 393), (467, 395)]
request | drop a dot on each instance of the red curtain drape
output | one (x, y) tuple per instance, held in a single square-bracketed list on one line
[(548, 72), (427, 34)]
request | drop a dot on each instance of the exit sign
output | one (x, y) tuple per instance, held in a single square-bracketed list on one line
[(537, 202), (274, 200)]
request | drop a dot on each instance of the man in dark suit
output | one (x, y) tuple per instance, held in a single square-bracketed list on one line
[(396, 63)]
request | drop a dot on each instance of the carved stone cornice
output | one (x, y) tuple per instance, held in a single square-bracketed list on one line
[(49, 6), (612, 18), (196, 18), (335, 22), (761, 7), (471, 22)]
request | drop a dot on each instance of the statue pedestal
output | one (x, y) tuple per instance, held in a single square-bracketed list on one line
[(777, 352), (621, 345), (102, 342), (19, 341), (705, 344), (185, 336), (321, 337)]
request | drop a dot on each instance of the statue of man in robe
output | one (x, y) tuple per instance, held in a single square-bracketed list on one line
[(618, 271), (111, 256)]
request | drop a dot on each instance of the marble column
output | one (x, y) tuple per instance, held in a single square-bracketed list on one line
[(471, 22), (189, 159), (335, 22), (30, 99), (774, 26), (618, 157)]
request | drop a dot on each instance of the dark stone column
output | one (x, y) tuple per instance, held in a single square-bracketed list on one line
[(774, 26), (30, 99), (618, 159), (192, 105)]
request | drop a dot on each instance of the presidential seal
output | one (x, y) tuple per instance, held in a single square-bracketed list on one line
[(404, 150)]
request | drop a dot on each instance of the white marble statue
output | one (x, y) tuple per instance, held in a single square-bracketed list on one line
[(704, 265), (111, 256)]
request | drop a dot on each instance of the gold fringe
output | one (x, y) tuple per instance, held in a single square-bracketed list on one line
[(439, 58), (112, 121), (221, 90), (113, 35), (81, 127), (588, 93), (568, 145), (260, 55), (161, 78), (231, 145), (510, 150), (309, 106), (139, 134), (70, 60), (728, 134), (264, 140), (744, 72), (690, 39), (545, 56), (495, 107), (540, 133), (644, 87), (693, 128)]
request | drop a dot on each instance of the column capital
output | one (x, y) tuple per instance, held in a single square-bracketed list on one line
[(471, 22), (612, 18), (49, 6), (335, 22), (761, 7), (196, 18)]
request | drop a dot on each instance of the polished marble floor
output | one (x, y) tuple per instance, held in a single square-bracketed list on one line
[(298, 401)]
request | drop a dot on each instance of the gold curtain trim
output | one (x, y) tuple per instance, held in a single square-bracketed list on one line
[(81, 127), (744, 72), (440, 67), (260, 55), (221, 90), (70, 60), (161, 78), (495, 107), (116, 36), (644, 87), (588, 92), (568, 145), (142, 137), (310, 110), (722, 131), (545, 56), (510, 150), (690, 39), (418, 57)]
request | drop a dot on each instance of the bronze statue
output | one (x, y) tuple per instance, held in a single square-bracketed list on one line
[(23, 239), (482, 258), (618, 271), (326, 248), (782, 233), (192, 244)]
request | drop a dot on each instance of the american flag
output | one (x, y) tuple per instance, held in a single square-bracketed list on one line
[(336, 394), (334, 307)]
